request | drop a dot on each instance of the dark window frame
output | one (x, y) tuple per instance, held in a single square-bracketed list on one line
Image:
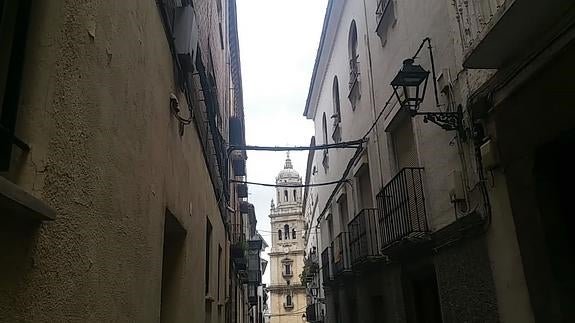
[(13, 67)]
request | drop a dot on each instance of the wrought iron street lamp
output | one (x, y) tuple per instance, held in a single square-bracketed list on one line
[(409, 87)]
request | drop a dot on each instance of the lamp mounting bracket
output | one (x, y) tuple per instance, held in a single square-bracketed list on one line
[(449, 121), (446, 120)]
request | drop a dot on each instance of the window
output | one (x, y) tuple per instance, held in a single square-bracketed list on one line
[(279, 234), (293, 233), (294, 195), (219, 269), (353, 65), (287, 269), (336, 136), (286, 231), (208, 252), (343, 212), (285, 195), (336, 105), (324, 129), (403, 143), (330, 229), (14, 16), (364, 188), (173, 252), (325, 161), (288, 300)]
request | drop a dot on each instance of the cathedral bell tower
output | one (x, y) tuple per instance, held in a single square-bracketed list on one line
[(287, 253)]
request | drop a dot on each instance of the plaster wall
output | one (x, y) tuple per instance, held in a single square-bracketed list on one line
[(379, 62), (107, 156), (354, 122)]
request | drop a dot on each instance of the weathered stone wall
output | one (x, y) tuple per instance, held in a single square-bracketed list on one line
[(107, 156), (466, 289)]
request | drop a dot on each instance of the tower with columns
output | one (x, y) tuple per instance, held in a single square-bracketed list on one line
[(287, 294)]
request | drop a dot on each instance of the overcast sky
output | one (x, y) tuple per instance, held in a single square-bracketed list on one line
[(278, 44)]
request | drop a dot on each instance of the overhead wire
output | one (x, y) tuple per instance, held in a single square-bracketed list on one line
[(345, 144), (348, 144), (284, 185)]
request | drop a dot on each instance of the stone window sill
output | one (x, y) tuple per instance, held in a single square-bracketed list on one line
[(17, 203)]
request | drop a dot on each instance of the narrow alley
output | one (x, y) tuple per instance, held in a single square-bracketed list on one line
[(361, 161)]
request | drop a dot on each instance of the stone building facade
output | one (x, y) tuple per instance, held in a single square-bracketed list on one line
[(452, 212), (114, 195), (287, 293)]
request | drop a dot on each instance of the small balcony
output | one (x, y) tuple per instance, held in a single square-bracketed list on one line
[(311, 266), (496, 33), (340, 254), (238, 244), (363, 237), (353, 73), (401, 206), (287, 274), (326, 272), (252, 293), (242, 190), (239, 166), (288, 306), (385, 14), (311, 313)]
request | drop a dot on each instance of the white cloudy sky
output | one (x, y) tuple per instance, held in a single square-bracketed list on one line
[(278, 44)]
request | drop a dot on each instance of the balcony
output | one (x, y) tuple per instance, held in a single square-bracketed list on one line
[(311, 267), (311, 313), (498, 32), (242, 190), (288, 306), (326, 272), (353, 73), (340, 255), (254, 262), (252, 293), (385, 14), (363, 237), (288, 274), (401, 205), (239, 165), (238, 242)]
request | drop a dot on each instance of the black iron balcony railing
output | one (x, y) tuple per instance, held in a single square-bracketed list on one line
[(242, 190), (475, 16), (382, 7), (401, 205), (237, 234), (238, 244), (340, 253), (385, 18), (325, 265), (311, 313), (363, 236)]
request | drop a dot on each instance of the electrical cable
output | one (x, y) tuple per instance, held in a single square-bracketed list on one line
[(284, 185), (345, 144)]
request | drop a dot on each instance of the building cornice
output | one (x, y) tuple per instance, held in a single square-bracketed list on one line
[(273, 288), (282, 253)]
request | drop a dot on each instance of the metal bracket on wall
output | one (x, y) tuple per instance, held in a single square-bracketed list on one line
[(446, 120)]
